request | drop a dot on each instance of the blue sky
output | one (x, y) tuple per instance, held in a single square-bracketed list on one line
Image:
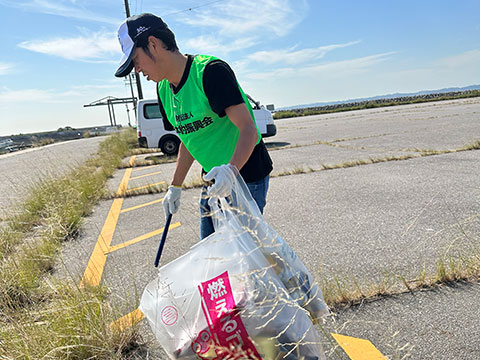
[(58, 55)]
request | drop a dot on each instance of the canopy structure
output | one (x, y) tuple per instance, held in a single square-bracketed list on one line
[(110, 101)]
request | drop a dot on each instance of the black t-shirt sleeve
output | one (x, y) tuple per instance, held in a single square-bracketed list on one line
[(221, 87), (259, 164), (166, 123)]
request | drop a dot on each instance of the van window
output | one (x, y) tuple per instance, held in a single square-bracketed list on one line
[(151, 111)]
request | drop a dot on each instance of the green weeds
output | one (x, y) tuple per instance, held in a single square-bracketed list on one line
[(375, 160), (342, 292), (46, 318), (72, 323), (152, 160)]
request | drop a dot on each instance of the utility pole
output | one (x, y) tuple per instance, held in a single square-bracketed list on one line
[(139, 84), (128, 115), (130, 77), (127, 8)]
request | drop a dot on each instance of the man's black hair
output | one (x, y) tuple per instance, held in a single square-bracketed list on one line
[(165, 35)]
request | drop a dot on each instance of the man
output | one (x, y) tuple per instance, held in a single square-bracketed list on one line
[(200, 98)]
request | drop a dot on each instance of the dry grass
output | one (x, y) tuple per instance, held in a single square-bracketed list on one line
[(151, 189), (72, 323), (353, 163), (42, 317), (342, 292), (197, 181), (141, 151), (153, 160)]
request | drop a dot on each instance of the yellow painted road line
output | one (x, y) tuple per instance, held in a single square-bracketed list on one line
[(93, 273), (145, 167), (145, 186), (140, 238), (131, 162), (127, 321), (141, 176), (140, 206), (358, 349), (122, 188)]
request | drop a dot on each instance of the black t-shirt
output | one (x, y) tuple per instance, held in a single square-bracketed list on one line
[(221, 89)]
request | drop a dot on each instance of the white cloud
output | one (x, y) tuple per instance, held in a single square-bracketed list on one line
[(349, 66), (74, 94), (467, 58), (5, 68), (335, 69), (50, 109), (330, 81), (31, 95), (96, 47), (240, 17), (91, 91), (292, 56), (59, 8), (214, 45)]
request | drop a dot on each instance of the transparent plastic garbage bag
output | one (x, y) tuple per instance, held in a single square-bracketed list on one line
[(228, 298), (241, 211)]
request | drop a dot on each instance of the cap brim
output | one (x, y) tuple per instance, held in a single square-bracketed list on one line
[(126, 65)]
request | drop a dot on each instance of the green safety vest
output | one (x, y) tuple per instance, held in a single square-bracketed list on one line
[(209, 138)]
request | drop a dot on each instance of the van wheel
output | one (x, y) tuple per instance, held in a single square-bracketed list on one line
[(169, 144)]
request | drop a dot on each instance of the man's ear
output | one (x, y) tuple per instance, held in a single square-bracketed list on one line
[(155, 43), (151, 42)]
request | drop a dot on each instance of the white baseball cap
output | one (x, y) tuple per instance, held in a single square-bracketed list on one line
[(129, 32)]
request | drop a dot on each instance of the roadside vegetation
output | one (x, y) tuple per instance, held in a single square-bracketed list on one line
[(197, 181), (373, 104), (345, 291), (43, 317), (150, 160), (43, 142)]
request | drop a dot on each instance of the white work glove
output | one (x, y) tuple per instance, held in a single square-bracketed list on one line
[(224, 176), (171, 201)]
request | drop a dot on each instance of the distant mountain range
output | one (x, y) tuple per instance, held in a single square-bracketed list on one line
[(389, 96)]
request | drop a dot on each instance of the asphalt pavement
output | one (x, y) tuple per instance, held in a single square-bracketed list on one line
[(440, 323), (366, 222), (21, 170)]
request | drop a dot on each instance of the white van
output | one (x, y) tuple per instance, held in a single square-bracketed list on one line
[(152, 134)]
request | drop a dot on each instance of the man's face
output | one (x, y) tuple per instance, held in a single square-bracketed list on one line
[(149, 66)]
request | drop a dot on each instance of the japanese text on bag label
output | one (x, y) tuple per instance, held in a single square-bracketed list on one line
[(228, 337)]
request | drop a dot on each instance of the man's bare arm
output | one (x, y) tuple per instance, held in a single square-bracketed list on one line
[(247, 139), (184, 163)]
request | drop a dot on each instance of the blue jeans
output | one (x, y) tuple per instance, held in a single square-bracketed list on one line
[(258, 189)]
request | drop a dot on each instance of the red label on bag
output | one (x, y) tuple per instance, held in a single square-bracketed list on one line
[(227, 338)]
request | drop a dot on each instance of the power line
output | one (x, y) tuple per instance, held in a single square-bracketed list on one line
[(139, 83), (192, 8), (176, 12)]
